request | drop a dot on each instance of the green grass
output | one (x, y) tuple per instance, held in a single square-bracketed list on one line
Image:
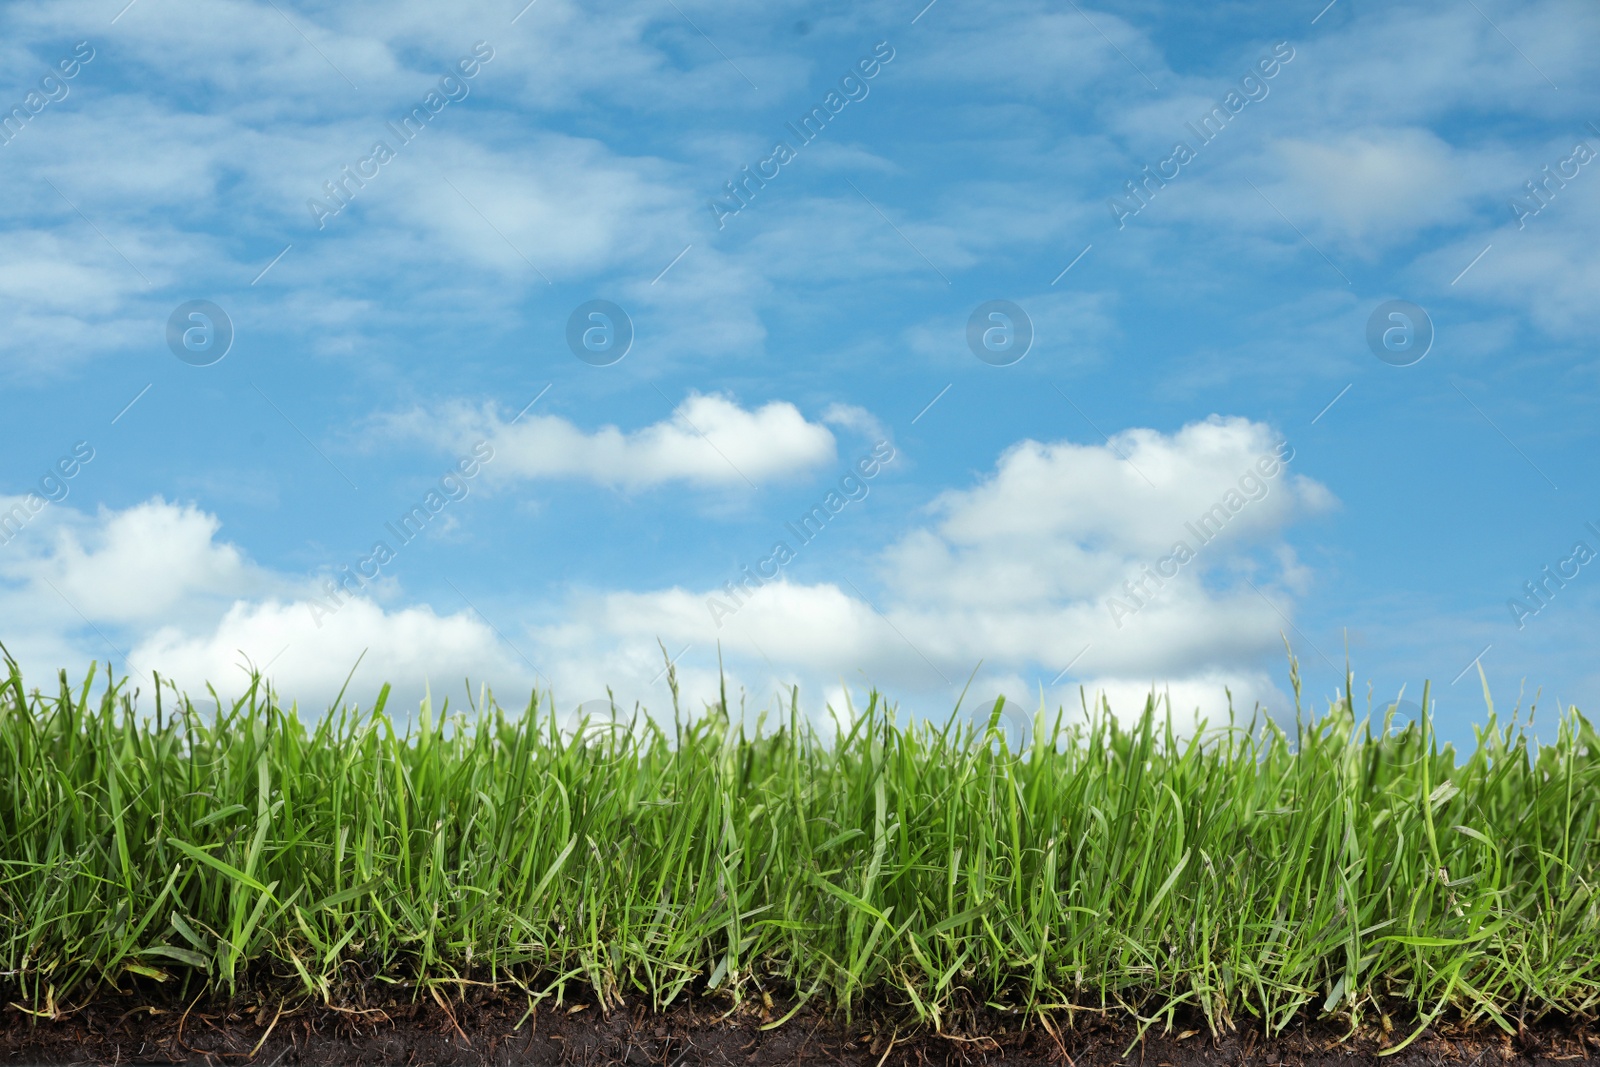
[(1255, 874)]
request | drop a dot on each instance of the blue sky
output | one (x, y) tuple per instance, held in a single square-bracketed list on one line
[(1197, 212)]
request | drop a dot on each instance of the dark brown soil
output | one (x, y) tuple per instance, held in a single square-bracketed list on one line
[(482, 1027)]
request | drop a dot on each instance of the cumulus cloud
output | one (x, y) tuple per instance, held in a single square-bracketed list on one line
[(138, 564), (308, 659), (154, 588), (1024, 565), (1019, 570), (1045, 564), (708, 441)]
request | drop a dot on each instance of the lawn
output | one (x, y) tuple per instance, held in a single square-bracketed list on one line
[(1331, 863)]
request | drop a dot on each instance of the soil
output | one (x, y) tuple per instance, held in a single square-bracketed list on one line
[(485, 1026)]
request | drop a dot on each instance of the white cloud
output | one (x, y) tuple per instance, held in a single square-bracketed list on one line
[(411, 648), (147, 559), (708, 441), (137, 565), (1371, 68), (1015, 571), (1549, 269), (70, 296), (1207, 695), (572, 207), (855, 419), (1381, 186), (162, 178), (1019, 572), (153, 588), (1037, 51)]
